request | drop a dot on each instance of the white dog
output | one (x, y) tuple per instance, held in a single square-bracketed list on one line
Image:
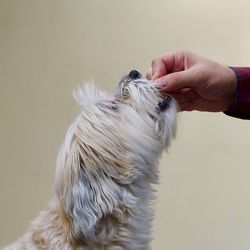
[(103, 195)]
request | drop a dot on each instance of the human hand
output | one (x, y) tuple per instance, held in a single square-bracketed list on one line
[(196, 83)]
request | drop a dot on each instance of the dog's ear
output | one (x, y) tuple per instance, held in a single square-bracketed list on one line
[(88, 95), (91, 99), (86, 193), (89, 174)]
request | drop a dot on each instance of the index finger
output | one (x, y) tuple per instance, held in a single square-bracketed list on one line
[(158, 68), (168, 63)]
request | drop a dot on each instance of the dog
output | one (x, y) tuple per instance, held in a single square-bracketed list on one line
[(106, 170)]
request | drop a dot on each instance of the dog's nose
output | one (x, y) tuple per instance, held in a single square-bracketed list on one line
[(134, 74)]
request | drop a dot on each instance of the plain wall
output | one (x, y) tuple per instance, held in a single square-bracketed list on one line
[(48, 47)]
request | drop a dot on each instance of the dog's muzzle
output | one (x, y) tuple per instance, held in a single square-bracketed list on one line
[(162, 106)]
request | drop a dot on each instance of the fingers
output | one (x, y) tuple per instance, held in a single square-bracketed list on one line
[(168, 63), (158, 68), (178, 80)]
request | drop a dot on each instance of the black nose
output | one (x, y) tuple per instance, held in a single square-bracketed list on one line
[(134, 74)]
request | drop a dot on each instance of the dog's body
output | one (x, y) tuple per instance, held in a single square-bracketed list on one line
[(105, 170)]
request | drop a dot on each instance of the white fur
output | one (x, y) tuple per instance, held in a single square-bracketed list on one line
[(107, 164)]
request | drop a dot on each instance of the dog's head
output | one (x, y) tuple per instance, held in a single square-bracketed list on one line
[(158, 113), (115, 141)]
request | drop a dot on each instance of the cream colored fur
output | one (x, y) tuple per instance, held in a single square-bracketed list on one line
[(103, 195)]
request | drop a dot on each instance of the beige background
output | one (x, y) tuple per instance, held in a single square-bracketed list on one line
[(48, 47)]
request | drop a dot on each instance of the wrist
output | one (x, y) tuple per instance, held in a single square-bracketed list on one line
[(232, 88)]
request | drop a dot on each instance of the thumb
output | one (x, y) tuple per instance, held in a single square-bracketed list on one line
[(177, 80)]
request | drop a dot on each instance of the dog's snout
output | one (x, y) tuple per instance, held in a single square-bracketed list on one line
[(134, 74)]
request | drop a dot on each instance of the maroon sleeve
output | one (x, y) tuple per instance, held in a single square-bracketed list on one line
[(241, 108)]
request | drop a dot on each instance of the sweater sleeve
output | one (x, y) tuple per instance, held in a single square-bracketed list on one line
[(241, 108)]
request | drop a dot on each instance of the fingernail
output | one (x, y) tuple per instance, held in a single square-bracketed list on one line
[(159, 83)]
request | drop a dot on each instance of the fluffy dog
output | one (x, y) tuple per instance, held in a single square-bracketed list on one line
[(103, 195)]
